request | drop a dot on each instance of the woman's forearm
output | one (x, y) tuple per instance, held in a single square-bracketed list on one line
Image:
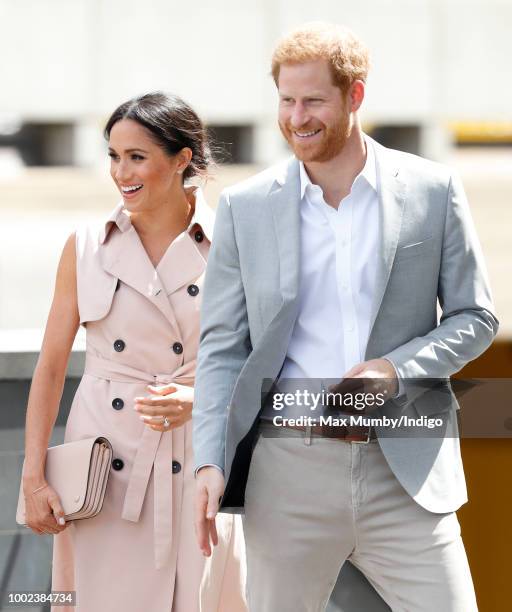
[(43, 407)]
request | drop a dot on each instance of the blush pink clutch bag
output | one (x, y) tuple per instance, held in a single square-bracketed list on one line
[(78, 471)]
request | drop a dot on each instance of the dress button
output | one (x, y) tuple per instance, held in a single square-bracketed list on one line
[(117, 403), (119, 346), (199, 236), (118, 464), (176, 467), (177, 347), (193, 290)]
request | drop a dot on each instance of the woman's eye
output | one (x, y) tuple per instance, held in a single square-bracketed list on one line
[(112, 156), (137, 157)]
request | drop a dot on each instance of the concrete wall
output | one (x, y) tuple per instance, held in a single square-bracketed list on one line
[(433, 60)]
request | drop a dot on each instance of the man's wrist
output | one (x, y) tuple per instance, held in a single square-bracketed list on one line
[(400, 385), (204, 465)]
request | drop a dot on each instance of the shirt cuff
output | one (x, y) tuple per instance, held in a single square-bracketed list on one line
[(203, 465), (401, 392)]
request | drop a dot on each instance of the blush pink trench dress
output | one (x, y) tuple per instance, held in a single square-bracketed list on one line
[(142, 327)]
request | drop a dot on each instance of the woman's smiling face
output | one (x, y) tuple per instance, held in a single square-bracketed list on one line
[(145, 174)]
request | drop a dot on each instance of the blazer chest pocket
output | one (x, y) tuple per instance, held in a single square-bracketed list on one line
[(414, 249)]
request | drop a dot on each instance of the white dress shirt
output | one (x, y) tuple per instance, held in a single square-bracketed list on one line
[(338, 261)]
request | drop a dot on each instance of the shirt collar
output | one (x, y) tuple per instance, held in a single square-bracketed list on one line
[(369, 171), (203, 217)]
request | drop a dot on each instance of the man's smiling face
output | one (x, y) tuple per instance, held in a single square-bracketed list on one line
[(313, 115)]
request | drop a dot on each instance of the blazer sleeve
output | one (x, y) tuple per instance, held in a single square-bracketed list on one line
[(224, 341), (468, 323)]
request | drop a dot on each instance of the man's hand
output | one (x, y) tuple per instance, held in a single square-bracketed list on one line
[(209, 490), (379, 376)]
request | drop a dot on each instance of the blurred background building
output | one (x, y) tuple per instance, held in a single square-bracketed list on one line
[(439, 86)]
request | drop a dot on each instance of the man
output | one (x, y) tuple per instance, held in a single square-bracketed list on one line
[(330, 267)]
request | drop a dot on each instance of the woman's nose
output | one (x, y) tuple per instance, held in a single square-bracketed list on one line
[(122, 171)]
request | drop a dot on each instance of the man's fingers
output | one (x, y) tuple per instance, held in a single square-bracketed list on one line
[(347, 385), (213, 504), (201, 523), (213, 532), (356, 370)]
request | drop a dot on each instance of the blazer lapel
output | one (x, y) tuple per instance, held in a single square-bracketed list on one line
[(391, 206), (284, 201)]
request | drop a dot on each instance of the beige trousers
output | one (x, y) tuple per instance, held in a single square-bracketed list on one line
[(310, 507)]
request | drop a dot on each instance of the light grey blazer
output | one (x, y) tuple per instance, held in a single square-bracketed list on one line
[(428, 251)]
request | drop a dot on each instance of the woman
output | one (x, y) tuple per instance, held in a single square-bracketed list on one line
[(135, 284)]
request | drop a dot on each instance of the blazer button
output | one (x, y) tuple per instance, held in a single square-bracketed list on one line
[(119, 346), (176, 467), (117, 403), (118, 464), (177, 347), (193, 290), (199, 236)]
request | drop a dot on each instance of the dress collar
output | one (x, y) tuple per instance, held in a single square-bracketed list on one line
[(203, 216)]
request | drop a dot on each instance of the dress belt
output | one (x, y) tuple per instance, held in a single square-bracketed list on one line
[(154, 451)]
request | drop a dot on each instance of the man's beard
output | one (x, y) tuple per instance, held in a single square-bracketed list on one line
[(330, 145)]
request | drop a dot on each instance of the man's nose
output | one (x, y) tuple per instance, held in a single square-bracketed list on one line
[(299, 116)]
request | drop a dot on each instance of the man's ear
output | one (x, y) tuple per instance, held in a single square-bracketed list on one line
[(356, 95)]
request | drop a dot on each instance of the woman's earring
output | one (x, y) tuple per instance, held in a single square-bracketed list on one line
[(180, 171)]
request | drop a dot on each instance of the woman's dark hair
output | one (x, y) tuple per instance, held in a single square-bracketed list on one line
[(173, 125)]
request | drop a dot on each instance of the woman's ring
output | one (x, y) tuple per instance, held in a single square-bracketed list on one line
[(166, 423)]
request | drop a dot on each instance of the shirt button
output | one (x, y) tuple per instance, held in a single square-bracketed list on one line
[(199, 236), (119, 346), (177, 347), (193, 290), (118, 464), (117, 403), (176, 467)]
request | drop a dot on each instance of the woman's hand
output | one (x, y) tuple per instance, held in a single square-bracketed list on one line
[(169, 405), (43, 510)]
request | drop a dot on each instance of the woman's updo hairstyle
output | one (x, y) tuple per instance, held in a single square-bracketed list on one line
[(173, 125)]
